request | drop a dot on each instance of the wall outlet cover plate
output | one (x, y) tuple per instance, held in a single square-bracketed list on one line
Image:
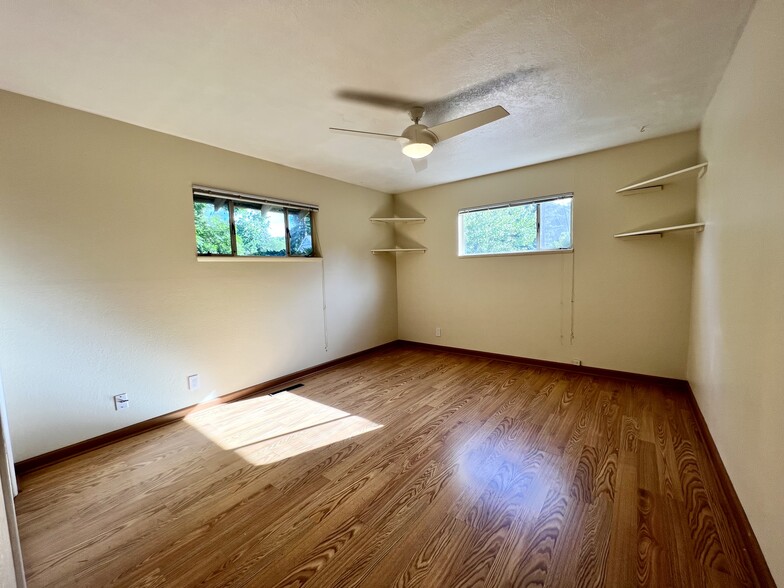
[(193, 382)]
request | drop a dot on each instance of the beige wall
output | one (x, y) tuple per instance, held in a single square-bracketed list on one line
[(736, 365), (101, 291), (631, 309)]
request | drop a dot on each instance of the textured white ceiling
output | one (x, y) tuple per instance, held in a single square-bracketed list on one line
[(263, 77)]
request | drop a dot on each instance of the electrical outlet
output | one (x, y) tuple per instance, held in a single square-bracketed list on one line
[(193, 382), (577, 362), (438, 331), (121, 402)]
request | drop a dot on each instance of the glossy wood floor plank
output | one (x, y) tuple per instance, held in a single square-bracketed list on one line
[(406, 467)]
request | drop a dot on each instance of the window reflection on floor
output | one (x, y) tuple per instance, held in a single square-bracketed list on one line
[(267, 429)]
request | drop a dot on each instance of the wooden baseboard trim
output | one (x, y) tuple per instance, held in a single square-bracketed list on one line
[(580, 369), (39, 461), (57, 455), (733, 506)]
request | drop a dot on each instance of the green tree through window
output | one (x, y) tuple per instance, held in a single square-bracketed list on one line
[(538, 225), (260, 231), (500, 230), (225, 226), (213, 236)]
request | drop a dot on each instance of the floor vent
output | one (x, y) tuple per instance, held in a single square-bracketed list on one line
[(294, 387)]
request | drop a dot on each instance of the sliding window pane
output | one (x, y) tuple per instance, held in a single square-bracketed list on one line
[(213, 236), (260, 230), (300, 233), (556, 224), (510, 229)]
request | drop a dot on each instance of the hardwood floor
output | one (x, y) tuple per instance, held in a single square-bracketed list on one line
[(404, 468)]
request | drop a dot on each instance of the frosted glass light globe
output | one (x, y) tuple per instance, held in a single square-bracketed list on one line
[(417, 150)]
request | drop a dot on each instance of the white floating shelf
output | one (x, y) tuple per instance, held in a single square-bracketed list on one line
[(697, 227), (654, 182), (398, 250), (397, 219)]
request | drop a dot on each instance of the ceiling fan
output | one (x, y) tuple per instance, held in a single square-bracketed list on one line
[(418, 140)]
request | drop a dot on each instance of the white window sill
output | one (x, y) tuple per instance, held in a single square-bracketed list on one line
[(516, 253), (244, 259)]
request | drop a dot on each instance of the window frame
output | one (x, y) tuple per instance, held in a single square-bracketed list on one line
[(510, 204), (203, 193)]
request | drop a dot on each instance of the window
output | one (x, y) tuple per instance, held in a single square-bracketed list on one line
[(241, 225), (541, 224)]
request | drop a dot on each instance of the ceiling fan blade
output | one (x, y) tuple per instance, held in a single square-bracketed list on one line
[(365, 133), (444, 108), (383, 100), (419, 164), (467, 123)]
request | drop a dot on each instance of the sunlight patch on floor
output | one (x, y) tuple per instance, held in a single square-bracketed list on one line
[(267, 429)]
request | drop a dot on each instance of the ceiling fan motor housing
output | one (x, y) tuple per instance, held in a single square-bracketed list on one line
[(417, 133)]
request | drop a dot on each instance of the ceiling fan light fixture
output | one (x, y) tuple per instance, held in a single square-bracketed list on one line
[(418, 141), (417, 150)]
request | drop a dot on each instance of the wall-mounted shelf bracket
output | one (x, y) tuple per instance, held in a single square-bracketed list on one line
[(646, 190)]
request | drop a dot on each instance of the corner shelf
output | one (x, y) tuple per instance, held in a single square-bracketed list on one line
[(399, 250), (697, 227), (657, 183), (397, 219)]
